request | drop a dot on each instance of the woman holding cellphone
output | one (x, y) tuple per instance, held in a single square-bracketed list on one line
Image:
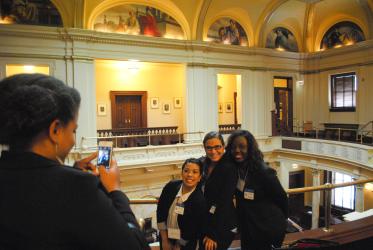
[(218, 184), (181, 209), (43, 203)]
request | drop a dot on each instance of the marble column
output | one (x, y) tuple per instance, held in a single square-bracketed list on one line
[(315, 198), (201, 101), (359, 197), (283, 173)]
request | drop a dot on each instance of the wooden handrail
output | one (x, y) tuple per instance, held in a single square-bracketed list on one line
[(327, 186)]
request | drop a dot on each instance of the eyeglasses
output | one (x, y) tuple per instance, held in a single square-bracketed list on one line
[(217, 147)]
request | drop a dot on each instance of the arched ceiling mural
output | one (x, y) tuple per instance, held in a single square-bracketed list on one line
[(281, 39), (227, 31), (137, 19), (342, 34), (35, 12)]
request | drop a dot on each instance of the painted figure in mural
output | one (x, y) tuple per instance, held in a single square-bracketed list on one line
[(222, 35), (281, 40), (22, 11), (133, 26), (232, 33), (122, 27), (149, 23)]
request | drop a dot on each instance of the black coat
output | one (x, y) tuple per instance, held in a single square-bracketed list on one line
[(264, 217), (191, 223), (44, 205), (219, 189)]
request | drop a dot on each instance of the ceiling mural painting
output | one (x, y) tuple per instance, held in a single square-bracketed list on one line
[(136, 19), (227, 31), (282, 39), (341, 34), (36, 12)]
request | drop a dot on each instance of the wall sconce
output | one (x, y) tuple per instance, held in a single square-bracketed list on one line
[(300, 82), (133, 65)]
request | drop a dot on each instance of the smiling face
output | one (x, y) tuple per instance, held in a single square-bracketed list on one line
[(214, 149), (191, 175), (239, 149)]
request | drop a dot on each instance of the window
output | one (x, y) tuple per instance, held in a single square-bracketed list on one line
[(343, 197), (343, 92)]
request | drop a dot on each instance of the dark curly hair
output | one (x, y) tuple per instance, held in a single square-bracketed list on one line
[(29, 103), (254, 154), (194, 161)]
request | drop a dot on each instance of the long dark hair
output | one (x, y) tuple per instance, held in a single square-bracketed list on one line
[(30, 103), (253, 151)]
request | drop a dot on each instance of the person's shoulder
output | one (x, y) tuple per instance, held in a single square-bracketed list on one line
[(76, 175), (173, 184), (266, 170)]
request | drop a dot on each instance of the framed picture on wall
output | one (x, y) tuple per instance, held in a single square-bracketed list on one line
[(154, 102), (177, 102), (166, 108), (220, 107), (101, 109), (229, 107)]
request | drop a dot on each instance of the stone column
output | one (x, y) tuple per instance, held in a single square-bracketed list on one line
[(283, 173), (201, 101), (315, 198), (359, 197)]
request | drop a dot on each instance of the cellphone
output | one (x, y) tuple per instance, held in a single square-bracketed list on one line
[(105, 150)]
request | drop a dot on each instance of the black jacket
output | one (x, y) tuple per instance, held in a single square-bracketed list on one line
[(191, 223), (265, 215), (44, 205), (219, 190)]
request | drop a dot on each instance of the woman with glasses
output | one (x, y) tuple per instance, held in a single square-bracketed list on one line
[(218, 184), (181, 209), (262, 204)]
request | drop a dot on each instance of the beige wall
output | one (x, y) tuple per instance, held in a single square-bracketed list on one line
[(313, 98), (227, 85), (368, 199), (161, 80)]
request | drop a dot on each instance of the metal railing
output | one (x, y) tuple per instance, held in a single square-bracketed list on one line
[(181, 137), (340, 134)]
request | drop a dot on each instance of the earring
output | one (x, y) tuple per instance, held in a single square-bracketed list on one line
[(57, 157)]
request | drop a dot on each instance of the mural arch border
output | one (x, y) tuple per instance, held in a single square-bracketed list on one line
[(164, 5), (63, 13), (263, 20), (236, 14), (298, 37), (328, 23)]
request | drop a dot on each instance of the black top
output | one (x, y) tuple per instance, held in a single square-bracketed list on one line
[(219, 189), (265, 214), (44, 205), (191, 223)]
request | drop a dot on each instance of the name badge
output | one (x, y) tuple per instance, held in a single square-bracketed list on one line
[(240, 184), (179, 209), (248, 194), (212, 209), (173, 233)]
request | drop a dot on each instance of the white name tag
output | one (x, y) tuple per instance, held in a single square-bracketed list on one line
[(173, 233), (212, 209), (179, 209), (240, 184), (248, 194)]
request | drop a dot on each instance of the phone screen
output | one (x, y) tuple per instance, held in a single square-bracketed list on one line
[(103, 159)]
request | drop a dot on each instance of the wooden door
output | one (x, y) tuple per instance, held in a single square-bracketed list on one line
[(284, 108), (296, 201), (128, 109)]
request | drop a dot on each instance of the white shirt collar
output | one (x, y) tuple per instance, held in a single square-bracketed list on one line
[(184, 197)]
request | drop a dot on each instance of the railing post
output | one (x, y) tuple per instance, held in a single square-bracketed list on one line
[(339, 134), (327, 206)]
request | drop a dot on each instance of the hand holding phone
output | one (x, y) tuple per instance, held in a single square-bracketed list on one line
[(105, 151)]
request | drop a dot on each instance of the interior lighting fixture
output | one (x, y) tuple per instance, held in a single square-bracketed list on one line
[(300, 82), (295, 166), (28, 68), (369, 186)]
